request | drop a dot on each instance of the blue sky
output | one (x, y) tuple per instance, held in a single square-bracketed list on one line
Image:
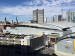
[(23, 8)]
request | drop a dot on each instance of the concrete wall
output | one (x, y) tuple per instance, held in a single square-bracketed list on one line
[(65, 46)]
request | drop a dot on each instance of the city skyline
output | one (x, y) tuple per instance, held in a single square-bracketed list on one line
[(23, 9)]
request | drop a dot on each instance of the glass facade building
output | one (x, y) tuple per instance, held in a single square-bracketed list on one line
[(70, 16), (73, 17)]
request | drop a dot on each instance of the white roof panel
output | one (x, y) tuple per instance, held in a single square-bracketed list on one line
[(54, 25), (63, 24)]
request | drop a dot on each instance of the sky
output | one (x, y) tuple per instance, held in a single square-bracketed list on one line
[(23, 9)]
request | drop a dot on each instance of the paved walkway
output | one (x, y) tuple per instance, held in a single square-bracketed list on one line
[(47, 52)]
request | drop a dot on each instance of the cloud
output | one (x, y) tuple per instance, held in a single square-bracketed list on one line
[(46, 2), (51, 7)]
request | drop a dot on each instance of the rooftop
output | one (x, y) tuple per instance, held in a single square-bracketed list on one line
[(54, 25)]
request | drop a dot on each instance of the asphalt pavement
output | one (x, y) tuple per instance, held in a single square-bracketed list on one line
[(47, 52)]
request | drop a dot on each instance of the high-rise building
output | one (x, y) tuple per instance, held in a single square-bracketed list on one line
[(73, 16), (5, 20), (70, 16), (56, 18), (16, 20), (59, 17), (38, 15), (35, 15)]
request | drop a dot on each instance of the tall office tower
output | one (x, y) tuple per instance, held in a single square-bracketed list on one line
[(35, 15), (55, 18), (38, 15), (5, 21), (70, 16), (59, 17), (16, 20), (73, 17)]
